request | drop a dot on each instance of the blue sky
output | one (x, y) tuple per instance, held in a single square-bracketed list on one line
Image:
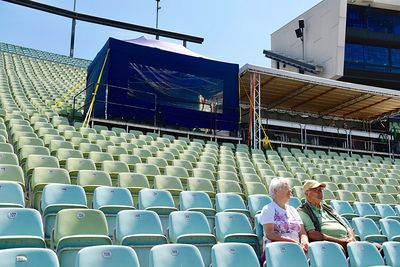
[(235, 31)]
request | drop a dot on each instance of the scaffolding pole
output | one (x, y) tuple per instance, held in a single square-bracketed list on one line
[(255, 85)]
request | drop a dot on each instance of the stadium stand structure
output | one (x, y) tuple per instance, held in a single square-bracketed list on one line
[(113, 188)]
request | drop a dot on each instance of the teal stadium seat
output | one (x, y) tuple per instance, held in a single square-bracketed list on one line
[(363, 254), (30, 257), (172, 255), (326, 254), (106, 256), (233, 255), (14, 232), (141, 230), (286, 254)]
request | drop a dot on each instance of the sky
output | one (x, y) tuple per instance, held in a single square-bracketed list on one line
[(235, 31)]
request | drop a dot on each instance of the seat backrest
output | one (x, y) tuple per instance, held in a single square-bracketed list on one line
[(363, 209), (257, 202), (14, 222), (76, 164), (105, 256), (137, 222), (111, 196), (34, 257), (225, 201), (155, 198), (390, 227), (391, 251), (13, 173), (44, 175), (233, 255), (200, 184), (364, 254), (90, 178), (227, 223), (285, 254), (71, 222), (364, 227), (342, 207), (62, 194), (186, 222), (384, 210), (11, 194), (172, 255), (194, 200), (167, 182), (326, 254), (129, 179)]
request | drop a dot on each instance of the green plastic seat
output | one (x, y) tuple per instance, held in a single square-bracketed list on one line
[(201, 184), (74, 165), (170, 183), (37, 257), (384, 198), (113, 168), (90, 180), (285, 254), (142, 153), (42, 176), (140, 230), (150, 170), (134, 182), (115, 151), (131, 160), (12, 173), (75, 229), (34, 161), (159, 162), (346, 196), (227, 186), (99, 157), (28, 150), (62, 154), (254, 188), (86, 148)]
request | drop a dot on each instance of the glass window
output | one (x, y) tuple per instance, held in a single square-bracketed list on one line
[(355, 17), (376, 55), (380, 21), (354, 53), (396, 57)]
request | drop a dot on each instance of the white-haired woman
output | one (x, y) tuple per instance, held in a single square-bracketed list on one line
[(280, 221)]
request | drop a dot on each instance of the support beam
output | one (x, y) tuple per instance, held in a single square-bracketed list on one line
[(255, 85), (106, 22)]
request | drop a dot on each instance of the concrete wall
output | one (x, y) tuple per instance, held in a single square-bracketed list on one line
[(324, 36)]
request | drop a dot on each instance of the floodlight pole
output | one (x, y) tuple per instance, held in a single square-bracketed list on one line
[(157, 10), (71, 49)]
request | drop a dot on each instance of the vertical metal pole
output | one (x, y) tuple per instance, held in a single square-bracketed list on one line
[(71, 49), (256, 96), (157, 10)]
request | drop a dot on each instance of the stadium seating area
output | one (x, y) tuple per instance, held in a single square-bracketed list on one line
[(109, 197)]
